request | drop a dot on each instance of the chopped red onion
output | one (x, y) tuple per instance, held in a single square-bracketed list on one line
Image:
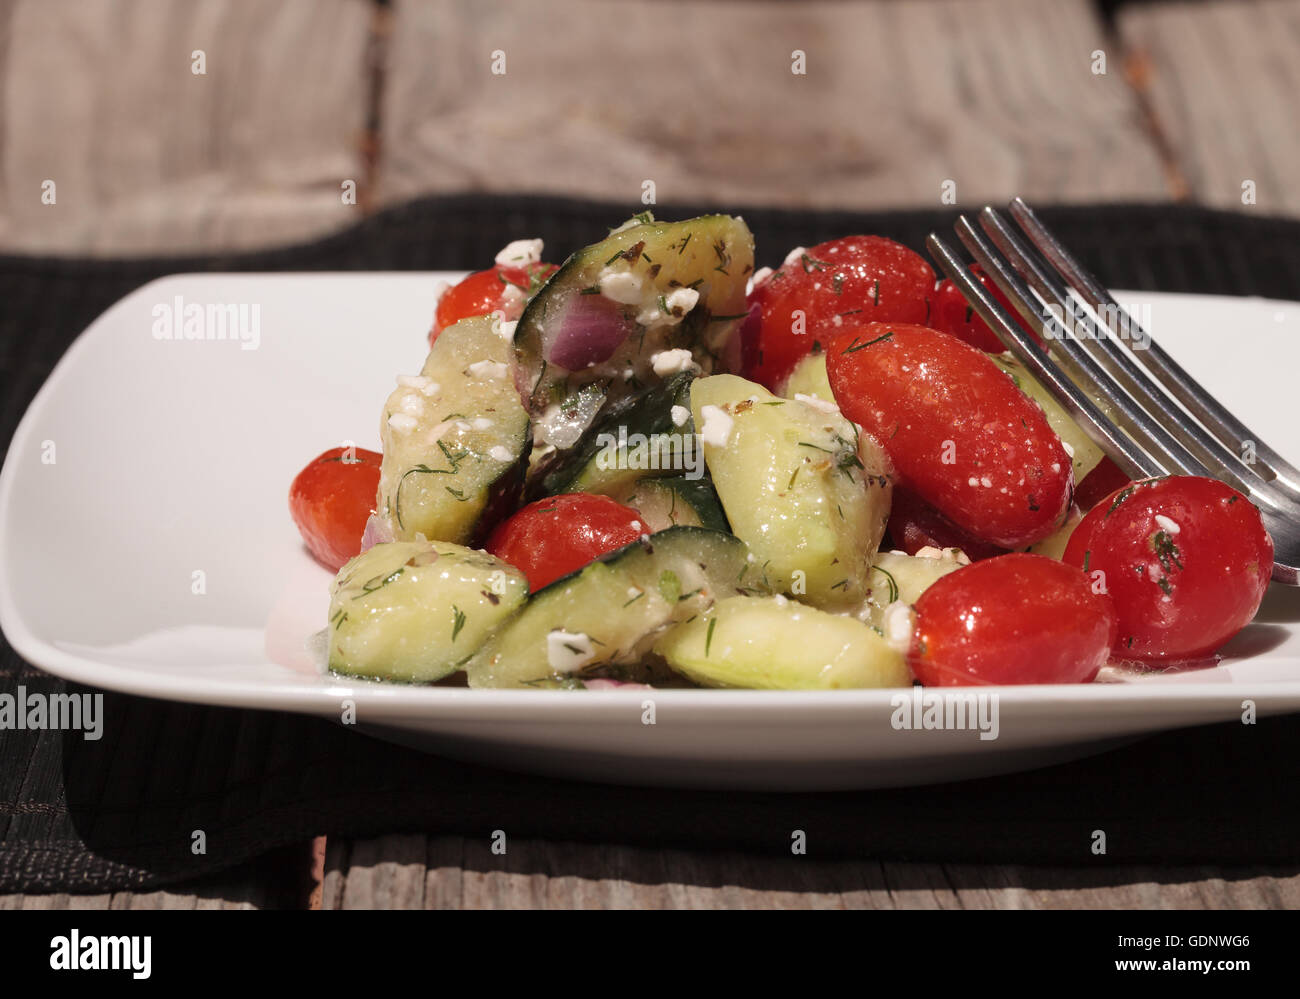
[(588, 332)]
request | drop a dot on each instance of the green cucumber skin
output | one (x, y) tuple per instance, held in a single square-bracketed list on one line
[(647, 412), (621, 602), (723, 294)]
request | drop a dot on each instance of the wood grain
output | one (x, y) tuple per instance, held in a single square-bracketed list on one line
[(996, 95), (414, 871), (1221, 79), (148, 157)]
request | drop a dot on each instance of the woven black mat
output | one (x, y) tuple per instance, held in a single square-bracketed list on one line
[(77, 815)]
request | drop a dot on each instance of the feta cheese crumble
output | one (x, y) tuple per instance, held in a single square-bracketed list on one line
[(717, 426), (623, 287), (1169, 525), (670, 362), (817, 403), (487, 369), (520, 253), (567, 651), (680, 415), (898, 626)]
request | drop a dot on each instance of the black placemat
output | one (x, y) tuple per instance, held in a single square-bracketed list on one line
[(122, 812)]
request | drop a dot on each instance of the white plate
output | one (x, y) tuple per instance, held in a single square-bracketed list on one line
[(174, 457)]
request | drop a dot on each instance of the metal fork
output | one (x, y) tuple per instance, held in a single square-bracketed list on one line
[(1148, 414)]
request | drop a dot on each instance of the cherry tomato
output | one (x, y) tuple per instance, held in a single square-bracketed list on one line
[(560, 534), (830, 287), (1103, 480), (1186, 559), (951, 313), (961, 435), (914, 524), (484, 292), (1013, 619), (331, 499)]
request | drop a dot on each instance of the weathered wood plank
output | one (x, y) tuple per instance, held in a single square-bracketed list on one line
[(147, 156), (1221, 79), (997, 96), (451, 872)]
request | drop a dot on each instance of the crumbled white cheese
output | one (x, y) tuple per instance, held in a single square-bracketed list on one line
[(898, 626), (680, 415), (794, 255), (482, 423), (402, 423), (567, 651), (413, 381), (669, 362), (929, 551), (817, 403), (684, 299), (499, 453), (506, 329), (986, 482), (1169, 525), (487, 369), (623, 287), (412, 405), (520, 253), (972, 481), (512, 298), (780, 599), (717, 426), (957, 555)]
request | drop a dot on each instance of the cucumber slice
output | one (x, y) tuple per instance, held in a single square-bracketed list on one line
[(897, 578), (416, 610), (776, 644), (455, 438), (1086, 454), (1053, 546), (669, 502), (809, 378), (810, 503), (603, 619), (635, 438), (670, 285)]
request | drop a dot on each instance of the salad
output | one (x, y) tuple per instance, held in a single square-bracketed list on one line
[(654, 464)]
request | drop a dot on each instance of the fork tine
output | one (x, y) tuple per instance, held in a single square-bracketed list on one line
[(1186, 443), (1230, 432), (1100, 427)]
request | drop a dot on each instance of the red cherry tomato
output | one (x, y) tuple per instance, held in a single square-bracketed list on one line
[(1186, 559), (1013, 619), (484, 292), (953, 314), (914, 524), (560, 534), (961, 435), (331, 499), (1103, 480), (831, 287)]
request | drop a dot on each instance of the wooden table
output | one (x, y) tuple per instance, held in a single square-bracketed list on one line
[(299, 103)]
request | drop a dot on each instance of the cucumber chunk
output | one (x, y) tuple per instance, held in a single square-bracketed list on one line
[(809, 378), (416, 610), (455, 439), (798, 486), (647, 288), (678, 500), (776, 644), (1086, 454), (637, 437), (602, 620), (900, 579)]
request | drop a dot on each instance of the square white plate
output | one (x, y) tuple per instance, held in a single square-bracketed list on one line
[(146, 547)]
